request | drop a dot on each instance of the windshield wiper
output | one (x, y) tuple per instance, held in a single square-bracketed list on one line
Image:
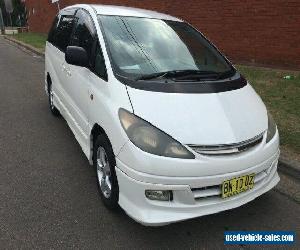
[(185, 74), (151, 76), (174, 74)]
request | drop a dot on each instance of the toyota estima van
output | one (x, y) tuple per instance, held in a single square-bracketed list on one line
[(173, 130)]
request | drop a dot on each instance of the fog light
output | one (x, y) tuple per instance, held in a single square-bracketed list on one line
[(159, 195)]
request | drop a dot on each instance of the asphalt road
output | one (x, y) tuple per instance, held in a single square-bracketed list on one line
[(48, 192)]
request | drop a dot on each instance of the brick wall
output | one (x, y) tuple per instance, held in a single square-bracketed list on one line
[(253, 31)]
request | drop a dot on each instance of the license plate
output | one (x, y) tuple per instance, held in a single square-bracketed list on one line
[(237, 185)]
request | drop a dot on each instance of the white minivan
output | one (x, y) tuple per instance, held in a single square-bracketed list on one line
[(173, 130)]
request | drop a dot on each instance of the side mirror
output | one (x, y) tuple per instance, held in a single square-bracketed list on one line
[(77, 56)]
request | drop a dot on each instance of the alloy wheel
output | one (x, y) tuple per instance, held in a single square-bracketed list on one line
[(103, 172)]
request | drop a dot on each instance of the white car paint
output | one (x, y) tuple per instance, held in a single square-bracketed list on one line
[(225, 120), (201, 119)]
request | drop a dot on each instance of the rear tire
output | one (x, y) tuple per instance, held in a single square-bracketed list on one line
[(104, 163), (53, 109)]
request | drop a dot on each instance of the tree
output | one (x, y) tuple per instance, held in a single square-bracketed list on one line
[(4, 13), (18, 15)]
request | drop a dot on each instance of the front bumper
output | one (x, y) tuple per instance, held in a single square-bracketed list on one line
[(192, 196)]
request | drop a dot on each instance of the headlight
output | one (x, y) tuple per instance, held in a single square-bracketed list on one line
[(150, 139), (271, 128)]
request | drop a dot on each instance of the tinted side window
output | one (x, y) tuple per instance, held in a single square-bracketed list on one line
[(53, 30), (63, 32), (99, 64), (84, 32)]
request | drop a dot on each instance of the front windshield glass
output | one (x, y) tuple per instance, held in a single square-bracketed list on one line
[(142, 46)]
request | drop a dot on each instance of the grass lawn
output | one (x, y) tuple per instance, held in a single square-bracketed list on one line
[(282, 97), (36, 40)]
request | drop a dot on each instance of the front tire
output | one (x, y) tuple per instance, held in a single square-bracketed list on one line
[(104, 163)]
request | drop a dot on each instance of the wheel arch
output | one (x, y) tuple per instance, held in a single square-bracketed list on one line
[(49, 81), (96, 130)]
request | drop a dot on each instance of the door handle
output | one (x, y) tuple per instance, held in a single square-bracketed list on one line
[(68, 71)]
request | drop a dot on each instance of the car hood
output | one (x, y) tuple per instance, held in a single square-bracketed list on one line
[(203, 119)]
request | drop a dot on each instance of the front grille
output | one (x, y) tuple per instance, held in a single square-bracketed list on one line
[(215, 191), (227, 148)]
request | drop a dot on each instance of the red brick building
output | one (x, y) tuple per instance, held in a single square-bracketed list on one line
[(253, 31)]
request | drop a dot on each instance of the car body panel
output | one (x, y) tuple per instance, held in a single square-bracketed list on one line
[(203, 165), (184, 206), (203, 119)]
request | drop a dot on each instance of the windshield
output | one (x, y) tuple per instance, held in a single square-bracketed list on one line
[(141, 47)]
